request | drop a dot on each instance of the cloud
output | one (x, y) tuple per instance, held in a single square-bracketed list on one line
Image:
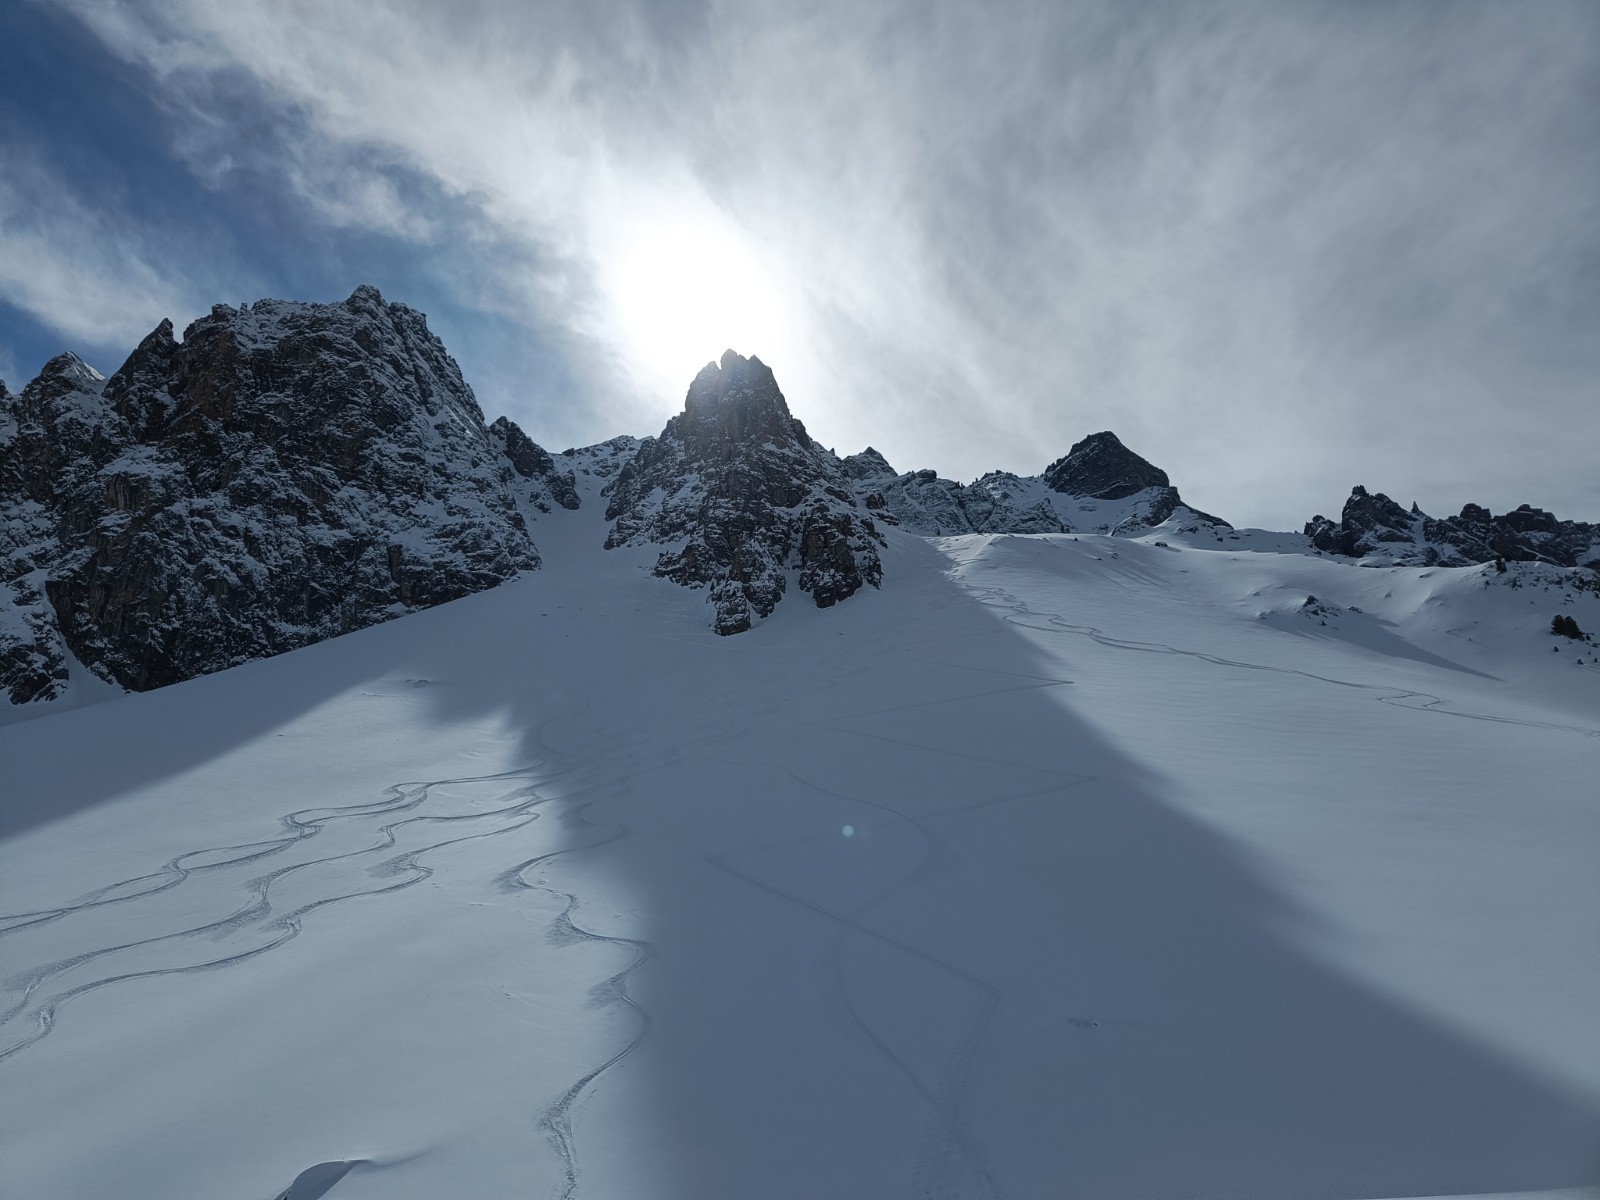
[(1275, 246), (10, 374), (96, 276)]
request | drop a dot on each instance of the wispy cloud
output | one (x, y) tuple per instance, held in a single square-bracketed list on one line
[(101, 279), (10, 374), (1271, 244)]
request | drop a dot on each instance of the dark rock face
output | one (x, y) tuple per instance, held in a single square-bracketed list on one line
[(1369, 522), (868, 467), (287, 473), (1525, 534), (54, 437), (741, 495), (1100, 467), (1375, 524), (549, 485)]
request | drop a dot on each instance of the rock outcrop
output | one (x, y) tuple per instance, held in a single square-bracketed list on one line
[(925, 503), (286, 473), (1099, 470), (1099, 486), (1100, 467), (1372, 524), (739, 496), (54, 437), (543, 484)]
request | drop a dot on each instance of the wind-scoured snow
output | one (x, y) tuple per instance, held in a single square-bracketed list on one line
[(1061, 865)]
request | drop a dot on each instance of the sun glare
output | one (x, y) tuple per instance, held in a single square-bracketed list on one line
[(683, 291)]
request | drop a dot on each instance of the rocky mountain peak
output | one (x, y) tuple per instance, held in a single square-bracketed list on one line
[(739, 496), (365, 297), (287, 472), (737, 400), (1100, 467), (868, 465)]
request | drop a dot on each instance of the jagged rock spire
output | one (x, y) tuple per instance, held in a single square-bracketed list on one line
[(738, 495)]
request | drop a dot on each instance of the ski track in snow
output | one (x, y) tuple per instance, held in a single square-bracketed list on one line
[(258, 915), (946, 1141), (1015, 609), (623, 754), (935, 1173), (41, 1004), (949, 1161), (261, 917), (556, 1120)]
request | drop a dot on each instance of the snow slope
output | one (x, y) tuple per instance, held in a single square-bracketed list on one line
[(1062, 866)]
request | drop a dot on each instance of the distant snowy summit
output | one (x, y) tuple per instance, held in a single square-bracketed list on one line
[(1099, 486), (293, 471)]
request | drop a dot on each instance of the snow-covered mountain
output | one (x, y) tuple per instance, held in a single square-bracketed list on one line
[(286, 473), (294, 471), (742, 496), (1058, 864), (1099, 486), (1090, 847)]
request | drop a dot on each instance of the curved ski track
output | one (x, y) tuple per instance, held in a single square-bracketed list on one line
[(946, 1142), (1015, 609), (258, 913), (393, 873)]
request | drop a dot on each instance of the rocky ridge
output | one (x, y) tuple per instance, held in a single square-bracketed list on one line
[(925, 503), (286, 473), (289, 472), (1099, 486), (743, 499), (1371, 524), (1100, 467)]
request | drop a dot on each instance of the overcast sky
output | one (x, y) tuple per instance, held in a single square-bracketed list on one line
[(1279, 247)]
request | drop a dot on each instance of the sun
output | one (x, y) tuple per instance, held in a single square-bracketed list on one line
[(682, 290)]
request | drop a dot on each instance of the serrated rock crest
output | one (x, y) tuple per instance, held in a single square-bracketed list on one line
[(740, 496), (287, 472)]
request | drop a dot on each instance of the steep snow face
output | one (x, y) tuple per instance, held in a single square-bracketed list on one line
[(1373, 524), (288, 472), (741, 496)]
